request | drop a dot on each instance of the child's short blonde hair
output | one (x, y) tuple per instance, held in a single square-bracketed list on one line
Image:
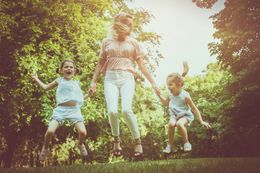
[(175, 78)]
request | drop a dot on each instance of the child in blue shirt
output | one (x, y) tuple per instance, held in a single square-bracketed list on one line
[(181, 109), (69, 99)]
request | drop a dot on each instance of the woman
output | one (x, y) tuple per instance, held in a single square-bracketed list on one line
[(117, 57)]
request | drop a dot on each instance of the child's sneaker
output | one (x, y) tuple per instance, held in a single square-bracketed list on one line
[(187, 147), (44, 154), (167, 149), (83, 150)]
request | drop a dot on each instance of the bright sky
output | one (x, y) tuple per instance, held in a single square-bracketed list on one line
[(186, 31)]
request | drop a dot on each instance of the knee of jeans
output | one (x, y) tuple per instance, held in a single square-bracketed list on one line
[(113, 114), (128, 112)]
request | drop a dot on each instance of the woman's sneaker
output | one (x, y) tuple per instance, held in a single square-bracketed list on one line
[(45, 153), (83, 150), (187, 147)]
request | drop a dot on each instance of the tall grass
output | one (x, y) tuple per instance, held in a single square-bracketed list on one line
[(198, 165)]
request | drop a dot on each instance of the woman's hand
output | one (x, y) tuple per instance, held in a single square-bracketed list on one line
[(156, 90), (92, 89)]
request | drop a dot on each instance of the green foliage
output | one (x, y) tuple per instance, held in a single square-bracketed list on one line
[(237, 50), (35, 37), (66, 152), (151, 121), (209, 93)]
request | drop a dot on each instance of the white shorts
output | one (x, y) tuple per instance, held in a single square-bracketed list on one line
[(70, 113)]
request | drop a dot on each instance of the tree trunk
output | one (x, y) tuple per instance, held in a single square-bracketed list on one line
[(8, 155)]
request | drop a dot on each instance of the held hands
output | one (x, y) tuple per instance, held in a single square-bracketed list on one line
[(157, 90), (92, 89), (206, 124)]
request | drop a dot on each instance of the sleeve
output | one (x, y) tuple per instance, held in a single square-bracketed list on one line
[(186, 95), (102, 53), (138, 50)]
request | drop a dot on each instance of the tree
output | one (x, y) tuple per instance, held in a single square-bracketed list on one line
[(238, 50)]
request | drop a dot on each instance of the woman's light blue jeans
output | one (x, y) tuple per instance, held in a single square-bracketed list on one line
[(120, 83)]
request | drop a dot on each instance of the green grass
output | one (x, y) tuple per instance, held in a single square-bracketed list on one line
[(198, 165)]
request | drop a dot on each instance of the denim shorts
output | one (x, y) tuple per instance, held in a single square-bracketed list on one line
[(189, 117), (67, 113)]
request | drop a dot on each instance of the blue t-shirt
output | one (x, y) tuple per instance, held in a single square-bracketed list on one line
[(178, 106), (68, 90)]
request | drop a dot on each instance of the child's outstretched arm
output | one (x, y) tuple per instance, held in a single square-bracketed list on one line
[(196, 111), (164, 101), (43, 85)]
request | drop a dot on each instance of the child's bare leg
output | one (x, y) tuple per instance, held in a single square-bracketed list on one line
[(182, 129), (171, 130), (81, 131), (53, 125), (82, 136)]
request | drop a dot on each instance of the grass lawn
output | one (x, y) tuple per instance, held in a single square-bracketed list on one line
[(198, 165)]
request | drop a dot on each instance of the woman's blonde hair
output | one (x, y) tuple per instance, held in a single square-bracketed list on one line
[(123, 24)]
